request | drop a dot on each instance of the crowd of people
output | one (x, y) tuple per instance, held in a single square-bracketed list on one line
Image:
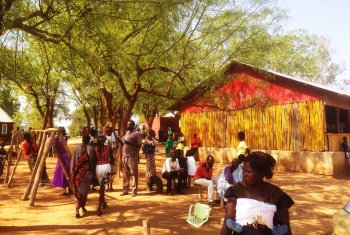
[(253, 206)]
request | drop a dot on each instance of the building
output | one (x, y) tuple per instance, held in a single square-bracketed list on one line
[(6, 125), (160, 126), (295, 119)]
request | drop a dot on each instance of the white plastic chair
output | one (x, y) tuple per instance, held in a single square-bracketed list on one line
[(198, 214)]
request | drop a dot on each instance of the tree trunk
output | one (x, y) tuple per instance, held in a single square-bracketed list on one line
[(95, 114), (122, 128), (87, 116), (101, 113)]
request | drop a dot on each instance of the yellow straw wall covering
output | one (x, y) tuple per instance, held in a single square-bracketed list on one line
[(293, 127)]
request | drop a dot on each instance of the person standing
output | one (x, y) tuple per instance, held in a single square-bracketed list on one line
[(346, 149), (111, 141), (204, 177), (59, 179), (103, 155), (169, 145), (3, 154), (81, 172), (29, 150), (148, 147), (144, 131), (195, 143), (242, 146), (132, 141)]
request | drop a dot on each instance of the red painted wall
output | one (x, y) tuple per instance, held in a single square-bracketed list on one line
[(160, 126), (247, 89)]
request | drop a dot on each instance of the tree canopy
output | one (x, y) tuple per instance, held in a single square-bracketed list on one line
[(114, 58)]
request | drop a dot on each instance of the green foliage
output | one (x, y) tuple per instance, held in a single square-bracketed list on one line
[(28, 117), (8, 101), (78, 123), (117, 55)]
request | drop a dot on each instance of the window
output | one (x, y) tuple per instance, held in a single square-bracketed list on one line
[(331, 119), (343, 121), (4, 129)]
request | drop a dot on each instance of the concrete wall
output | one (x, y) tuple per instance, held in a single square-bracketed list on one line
[(319, 163)]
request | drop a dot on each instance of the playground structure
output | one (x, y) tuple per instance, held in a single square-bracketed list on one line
[(44, 140)]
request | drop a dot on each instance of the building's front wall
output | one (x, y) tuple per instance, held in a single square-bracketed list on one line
[(292, 127), (6, 131)]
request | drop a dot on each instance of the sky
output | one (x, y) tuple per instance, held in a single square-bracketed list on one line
[(328, 18)]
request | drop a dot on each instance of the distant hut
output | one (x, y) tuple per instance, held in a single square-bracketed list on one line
[(277, 112), (6, 125)]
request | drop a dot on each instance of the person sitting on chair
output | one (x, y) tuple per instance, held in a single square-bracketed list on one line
[(203, 176), (230, 175), (171, 169), (183, 169)]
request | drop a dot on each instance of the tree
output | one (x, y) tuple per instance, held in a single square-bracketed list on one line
[(298, 54), (34, 72), (47, 20), (8, 101), (173, 45)]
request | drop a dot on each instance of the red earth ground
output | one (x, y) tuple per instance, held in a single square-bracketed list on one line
[(316, 199)]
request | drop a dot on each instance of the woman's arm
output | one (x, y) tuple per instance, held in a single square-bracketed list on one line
[(230, 213), (285, 220)]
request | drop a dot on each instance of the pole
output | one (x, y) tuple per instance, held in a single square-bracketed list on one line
[(146, 227), (32, 177), (14, 169), (38, 175), (9, 156)]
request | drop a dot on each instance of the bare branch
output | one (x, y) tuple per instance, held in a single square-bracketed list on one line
[(121, 82)]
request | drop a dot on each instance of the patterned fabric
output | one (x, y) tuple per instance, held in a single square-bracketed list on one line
[(103, 154), (81, 175), (150, 165)]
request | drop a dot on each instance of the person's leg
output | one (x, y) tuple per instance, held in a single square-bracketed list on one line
[(208, 184), (100, 200), (167, 176), (180, 182), (44, 176), (126, 175), (31, 163), (148, 172), (134, 171), (77, 207)]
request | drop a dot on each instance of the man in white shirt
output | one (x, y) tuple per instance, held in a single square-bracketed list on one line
[(171, 169), (230, 175)]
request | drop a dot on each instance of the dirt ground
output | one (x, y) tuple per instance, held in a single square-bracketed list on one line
[(316, 197)]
